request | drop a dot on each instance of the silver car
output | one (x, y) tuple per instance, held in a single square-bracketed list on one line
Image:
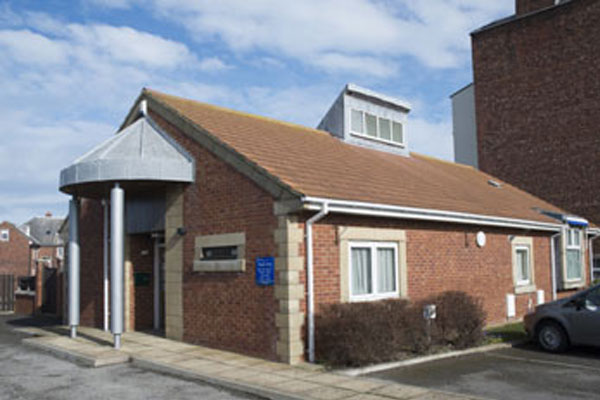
[(573, 320)]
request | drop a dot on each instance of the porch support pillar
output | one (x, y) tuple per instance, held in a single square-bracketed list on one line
[(73, 266), (117, 234)]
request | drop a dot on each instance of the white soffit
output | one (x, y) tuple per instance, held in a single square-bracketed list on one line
[(140, 152)]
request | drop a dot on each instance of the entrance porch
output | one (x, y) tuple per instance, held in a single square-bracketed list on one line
[(136, 177)]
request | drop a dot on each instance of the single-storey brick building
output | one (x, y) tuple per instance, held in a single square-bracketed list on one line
[(201, 202)]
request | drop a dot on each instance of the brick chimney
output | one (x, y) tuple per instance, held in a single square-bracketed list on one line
[(48, 214), (527, 6)]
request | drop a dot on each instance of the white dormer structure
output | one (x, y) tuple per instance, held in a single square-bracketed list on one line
[(365, 118)]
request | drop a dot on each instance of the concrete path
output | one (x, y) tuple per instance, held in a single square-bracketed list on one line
[(230, 370)]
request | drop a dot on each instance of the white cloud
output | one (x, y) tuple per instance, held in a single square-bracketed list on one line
[(28, 47), (338, 35), (213, 64)]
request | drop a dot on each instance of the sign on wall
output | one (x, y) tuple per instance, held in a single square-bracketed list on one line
[(265, 271)]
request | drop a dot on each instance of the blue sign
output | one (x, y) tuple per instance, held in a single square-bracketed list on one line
[(265, 271)]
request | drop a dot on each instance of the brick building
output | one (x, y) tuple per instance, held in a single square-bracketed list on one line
[(536, 97), (14, 250), (231, 230)]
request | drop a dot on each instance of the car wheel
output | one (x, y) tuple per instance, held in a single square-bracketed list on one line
[(552, 337)]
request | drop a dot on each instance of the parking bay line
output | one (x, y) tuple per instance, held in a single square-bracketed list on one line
[(554, 363)]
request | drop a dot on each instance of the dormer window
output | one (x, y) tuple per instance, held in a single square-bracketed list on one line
[(371, 126)]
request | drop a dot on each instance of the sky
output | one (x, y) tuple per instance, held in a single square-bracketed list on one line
[(70, 70)]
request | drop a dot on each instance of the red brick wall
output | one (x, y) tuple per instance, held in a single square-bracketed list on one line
[(227, 310), (537, 97), (14, 254), (90, 239), (441, 257), (525, 6)]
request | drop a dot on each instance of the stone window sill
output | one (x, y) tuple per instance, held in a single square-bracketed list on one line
[(220, 266), (525, 289)]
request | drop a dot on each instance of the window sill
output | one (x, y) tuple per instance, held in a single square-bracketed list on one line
[(374, 297), (575, 284), (220, 266), (377, 139), (521, 289)]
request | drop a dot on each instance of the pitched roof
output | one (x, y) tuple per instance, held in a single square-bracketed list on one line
[(314, 163), (44, 230)]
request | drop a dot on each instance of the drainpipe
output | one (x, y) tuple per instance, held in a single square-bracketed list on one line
[(310, 280), (553, 262), (591, 256), (105, 262)]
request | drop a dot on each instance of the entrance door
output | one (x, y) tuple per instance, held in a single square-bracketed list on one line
[(49, 277)]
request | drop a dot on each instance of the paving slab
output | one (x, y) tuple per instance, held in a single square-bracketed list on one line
[(231, 370)]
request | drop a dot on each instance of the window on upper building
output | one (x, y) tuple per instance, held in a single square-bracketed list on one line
[(369, 125), (373, 270), (4, 235), (574, 266), (60, 252)]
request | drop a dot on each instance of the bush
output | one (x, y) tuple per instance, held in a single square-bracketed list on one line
[(355, 334)]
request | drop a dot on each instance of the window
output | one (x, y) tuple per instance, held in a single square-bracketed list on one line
[(60, 252), (596, 268), (220, 253), (369, 125), (523, 264), (523, 261), (4, 235), (373, 270), (574, 270)]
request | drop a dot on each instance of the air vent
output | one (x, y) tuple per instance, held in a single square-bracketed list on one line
[(494, 183)]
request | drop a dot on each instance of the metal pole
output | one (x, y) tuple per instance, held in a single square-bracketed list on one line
[(156, 284), (117, 206), (73, 266), (105, 263)]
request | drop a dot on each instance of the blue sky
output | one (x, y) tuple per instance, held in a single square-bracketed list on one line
[(70, 70)]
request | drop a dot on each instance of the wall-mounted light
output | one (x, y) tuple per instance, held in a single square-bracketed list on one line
[(480, 239), (181, 231)]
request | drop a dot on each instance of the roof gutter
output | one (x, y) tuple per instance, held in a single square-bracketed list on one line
[(425, 214)]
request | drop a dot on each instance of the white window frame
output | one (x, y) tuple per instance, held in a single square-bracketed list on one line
[(577, 247), (529, 281), (377, 138), (60, 252), (5, 235), (373, 295)]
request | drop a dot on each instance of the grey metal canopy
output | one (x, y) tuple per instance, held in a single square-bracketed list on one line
[(140, 152)]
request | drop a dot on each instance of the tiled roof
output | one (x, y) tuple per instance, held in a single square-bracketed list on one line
[(44, 230), (314, 163)]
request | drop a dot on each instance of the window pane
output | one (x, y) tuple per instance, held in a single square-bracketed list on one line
[(361, 271), (356, 121), (371, 121), (385, 129), (386, 273), (575, 237), (523, 265), (397, 135), (573, 264)]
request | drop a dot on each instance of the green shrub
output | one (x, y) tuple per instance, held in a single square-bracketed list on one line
[(355, 334)]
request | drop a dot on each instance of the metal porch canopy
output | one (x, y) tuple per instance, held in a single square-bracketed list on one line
[(139, 155)]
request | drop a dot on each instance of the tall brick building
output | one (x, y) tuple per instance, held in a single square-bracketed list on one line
[(232, 229), (537, 97)]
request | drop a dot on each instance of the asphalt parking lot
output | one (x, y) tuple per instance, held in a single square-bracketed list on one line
[(522, 372), (31, 374)]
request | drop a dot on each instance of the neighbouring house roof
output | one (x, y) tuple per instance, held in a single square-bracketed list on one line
[(44, 230), (310, 162), (139, 152)]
